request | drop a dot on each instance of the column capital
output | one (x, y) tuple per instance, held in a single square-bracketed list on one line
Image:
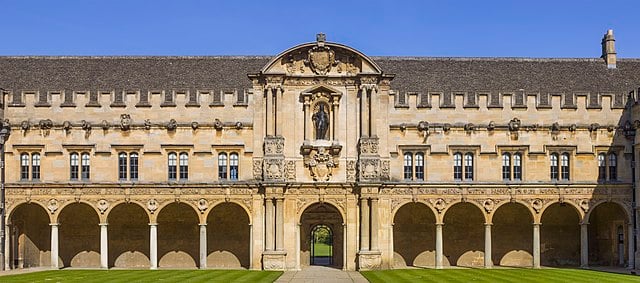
[(488, 224), (153, 224), (536, 223), (202, 224), (103, 224), (54, 224), (439, 224), (584, 223)]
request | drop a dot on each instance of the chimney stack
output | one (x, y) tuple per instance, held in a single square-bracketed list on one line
[(609, 49)]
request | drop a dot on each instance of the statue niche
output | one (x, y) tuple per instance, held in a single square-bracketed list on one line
[(321, 122)]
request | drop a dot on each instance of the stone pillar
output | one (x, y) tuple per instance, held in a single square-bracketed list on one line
[(269, 112), (375, 228), (334, 119), (631, 252), (279, 224), (364, 225), (269, 225), (439, 245), (7, 247), (54, 245), (536, 245), (374, 110), (278, 107), (104, 246), (488, 262), (153, 245), (363, 112), (203, 245), (584, 245), (307, 120)]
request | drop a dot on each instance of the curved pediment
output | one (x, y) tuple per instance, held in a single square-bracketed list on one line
[(321, 58)]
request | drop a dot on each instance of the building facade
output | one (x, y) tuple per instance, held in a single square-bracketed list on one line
[(235, 162)]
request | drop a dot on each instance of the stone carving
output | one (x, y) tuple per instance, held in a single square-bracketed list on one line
[(321, 122), (369, 168), (194, 125), (514, 125), (66, 126), (239, 125), (125, 122), (584, 205), (594, 127), (86, 126), (24, 126), (290, 170), (45, 124), (491, 126), (573, 127), (257, 169), (469, 127), (203, 204), (446, 127), (368, 146), (423, 126), (555, 127), (320, 162), (147, 124), (152, 205), (103, 205), (321, 58), (351, 171), (273, 168), (105, 125), (217, 124), (537, 204), (172, 125), (488, 205), (273, 145), (384, 169), (369, 261), (52, 205), (439, 205)]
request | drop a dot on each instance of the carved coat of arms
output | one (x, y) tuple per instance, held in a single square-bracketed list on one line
[(321, 58)]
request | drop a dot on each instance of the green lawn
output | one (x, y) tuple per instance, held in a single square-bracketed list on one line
[(496, 275), (322, 249), (131, 276)]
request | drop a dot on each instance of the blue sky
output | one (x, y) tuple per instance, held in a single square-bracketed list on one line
[(515, 28)]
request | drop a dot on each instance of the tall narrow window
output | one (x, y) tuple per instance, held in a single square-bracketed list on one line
[(602, 167), (517, 166), (554, 166), (122, 166), (184, 166), (506, 166), (24, 166), (613, 166), (408, 166), (457, 166), (35, 166), (222, 166), (172, 166), (74, 162), (468, 166), (133, 166), (564, 166), (86, 168), (420, 166), (233, 166)]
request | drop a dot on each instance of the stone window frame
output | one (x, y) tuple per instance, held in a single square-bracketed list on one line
[(468, 102), (30, 151), (490, 95), (168, 98), (228, 150), (414, 150), (522, 151), (423, 99), (539, 104), (81, 151), (398, 96), (559, 151), (608, 152), (568, 96), (177, 149), (524, 95), (244, 93), (465, 150), (127, 149), (451, 104)]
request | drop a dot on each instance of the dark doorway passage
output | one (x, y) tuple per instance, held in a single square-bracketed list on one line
[(321, 245)]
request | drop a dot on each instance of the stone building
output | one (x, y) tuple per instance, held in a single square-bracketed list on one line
[(237, 162)]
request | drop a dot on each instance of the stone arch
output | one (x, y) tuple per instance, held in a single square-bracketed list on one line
[(414, 235), (228, 236), (463, 230), (578, 210), (625, 209), (606, 247), (56, 215), (425, 203), (12, 208), (128, 226), (120, 202), (214, 203), (178, 235), (311, 203), (485, 216), (30, 245), (525, 204), (512, 235), (168, 203), (327, 214), (560, 235), (79, 238)]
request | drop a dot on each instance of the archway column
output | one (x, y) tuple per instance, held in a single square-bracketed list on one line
[(203, 245), (104, 246), (280, 224), (7, 247), (488, 262), (584, 245), (153, 245), (630, 246), (439, 247), (54, 245), (364, 218), (374, 225), (536, 245), (269, 225)]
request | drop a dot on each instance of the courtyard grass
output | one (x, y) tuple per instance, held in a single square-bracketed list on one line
[(131, 276), (321, 249), (496, 275)]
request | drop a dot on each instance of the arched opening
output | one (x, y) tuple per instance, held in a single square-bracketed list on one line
[(512, 235), (321, 245), (560, 236), (414, 236), (463, 235), (313, 251), (128, 236), (228, 236), (608, 235), (79, 236), (178, 236), (29, 239)]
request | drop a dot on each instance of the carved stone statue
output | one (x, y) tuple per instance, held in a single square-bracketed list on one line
[(321, 122)]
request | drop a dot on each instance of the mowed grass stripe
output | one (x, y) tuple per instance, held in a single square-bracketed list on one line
[(497, 275), (132, 276)]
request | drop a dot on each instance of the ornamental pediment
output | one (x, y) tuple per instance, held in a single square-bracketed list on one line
[(321, 59)]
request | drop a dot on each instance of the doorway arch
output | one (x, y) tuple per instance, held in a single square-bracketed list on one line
[(321, 245), (316, 218)]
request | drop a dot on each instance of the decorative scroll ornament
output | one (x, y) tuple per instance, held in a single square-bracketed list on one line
[(321, 58), (147, 124), (321, 160)]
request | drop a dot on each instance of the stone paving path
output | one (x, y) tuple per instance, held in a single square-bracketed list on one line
[(314, 274)]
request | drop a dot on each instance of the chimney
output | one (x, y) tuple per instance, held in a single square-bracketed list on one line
[(609, 49)]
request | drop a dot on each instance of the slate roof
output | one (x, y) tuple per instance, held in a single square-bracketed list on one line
[(418, 74)]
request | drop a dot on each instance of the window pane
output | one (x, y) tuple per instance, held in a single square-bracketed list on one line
[(184, 166), (133, 166), (420, 166), (74, 166), (233, 166), (613, 167), (172, 166), (517, 166), (85, 166), (602, 167), (564, 166), (24, 166), (468, 166), (457, 166), (554, 166), (506, 166), (122, 166), (408, 166), (222, 166), (35, 166)]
